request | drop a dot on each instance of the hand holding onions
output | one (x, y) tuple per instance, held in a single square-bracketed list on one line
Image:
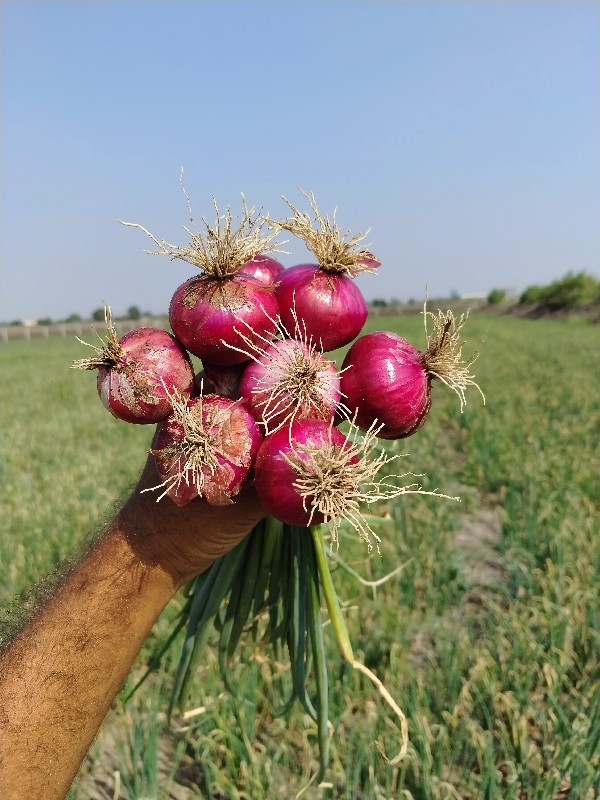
[(261, 332)]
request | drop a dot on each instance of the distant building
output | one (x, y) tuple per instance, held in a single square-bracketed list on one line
[(473, 295), (29, 323)]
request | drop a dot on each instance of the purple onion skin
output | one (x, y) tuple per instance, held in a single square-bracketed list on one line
[(241, 439), (263, 269), (332, 306), (274, 478), (383, 376), (224, 380), (204, 326), (262, 374), (370, 261), (133, 389)]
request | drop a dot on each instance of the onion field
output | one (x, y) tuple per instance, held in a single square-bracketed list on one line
[(487, 633)]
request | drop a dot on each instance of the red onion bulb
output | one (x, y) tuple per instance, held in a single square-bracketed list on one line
[(310, 473), (290, 380), (138, 373), (385, 379), (205, 309), (330, 305), (263, 269), (324, 294), (206, 449), (276, 475), (204, 313), (220, 379)]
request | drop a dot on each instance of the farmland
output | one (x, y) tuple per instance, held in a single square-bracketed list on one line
[(489, 637)]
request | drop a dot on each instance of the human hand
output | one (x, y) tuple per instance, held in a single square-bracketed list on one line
[(184, 540)]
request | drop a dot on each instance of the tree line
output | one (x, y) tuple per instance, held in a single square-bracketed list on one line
[(97, 315), (573, 291)]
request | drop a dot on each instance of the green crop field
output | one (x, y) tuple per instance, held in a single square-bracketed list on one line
[(488, 637)]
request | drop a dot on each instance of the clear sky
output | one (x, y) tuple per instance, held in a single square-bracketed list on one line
[(464, 134)]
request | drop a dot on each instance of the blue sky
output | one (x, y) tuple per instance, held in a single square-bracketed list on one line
[(465, 135)]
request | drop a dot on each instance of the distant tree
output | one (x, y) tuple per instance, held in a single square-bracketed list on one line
[(496, 296), (44, 321), (98, 314), (133, 312), (73, 318), (17, 322), (379, 303), (571, 291), (532, 294)]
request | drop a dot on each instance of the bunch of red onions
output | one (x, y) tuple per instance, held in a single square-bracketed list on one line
[(261, 332), (266, 407)]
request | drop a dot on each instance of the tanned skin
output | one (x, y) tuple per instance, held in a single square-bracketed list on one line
[(60, 674)]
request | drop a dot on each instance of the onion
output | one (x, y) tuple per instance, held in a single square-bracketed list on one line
[(205, 449), (332, 306), (324, 294), (138, 373), (204, 313), (286, 454), (310, 473), (263, 269), (290, 380), (223, 380), (385, 379), (205, 309)]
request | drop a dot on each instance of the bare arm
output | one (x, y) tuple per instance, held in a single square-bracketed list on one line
[(59, 676)]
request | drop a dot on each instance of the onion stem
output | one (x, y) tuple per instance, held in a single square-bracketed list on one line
[(341, 634), (315, 629), (296, 633), (338, 623), (204, 608)]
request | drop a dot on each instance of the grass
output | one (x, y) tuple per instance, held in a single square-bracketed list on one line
[(488, 637)]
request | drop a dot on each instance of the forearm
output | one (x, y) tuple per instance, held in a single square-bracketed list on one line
[(60, 675)]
